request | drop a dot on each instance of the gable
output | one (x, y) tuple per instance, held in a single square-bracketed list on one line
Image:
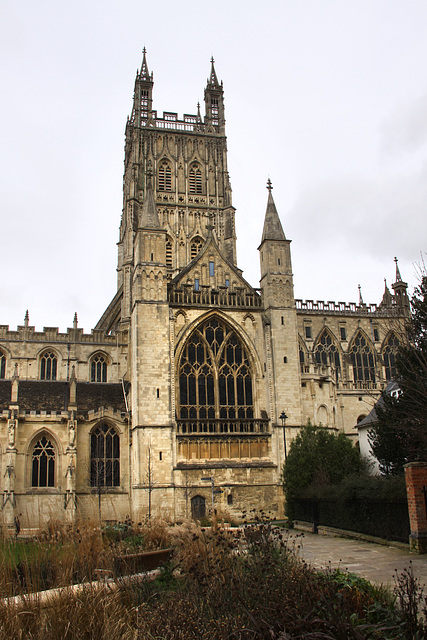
[(210, 272)]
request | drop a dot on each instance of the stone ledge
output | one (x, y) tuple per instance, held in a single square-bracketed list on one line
[(224, 465)]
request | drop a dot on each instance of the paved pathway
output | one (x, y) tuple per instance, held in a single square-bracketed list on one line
[(375, 562)]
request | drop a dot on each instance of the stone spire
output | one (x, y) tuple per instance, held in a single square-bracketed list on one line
[(149, 218), (273, 229), (213, 80), (398, 276)]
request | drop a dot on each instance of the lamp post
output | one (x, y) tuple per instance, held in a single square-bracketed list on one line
[(283, 417)]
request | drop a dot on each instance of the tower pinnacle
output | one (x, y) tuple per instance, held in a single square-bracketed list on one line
[(144, 74), (398, 276), (213, 80), (273, 229)]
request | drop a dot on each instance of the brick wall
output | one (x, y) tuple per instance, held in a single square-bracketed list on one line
[(416, 488)]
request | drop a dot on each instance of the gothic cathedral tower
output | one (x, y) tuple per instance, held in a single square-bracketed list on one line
[(200, 367)]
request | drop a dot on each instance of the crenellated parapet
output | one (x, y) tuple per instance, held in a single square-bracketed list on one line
[(321, 307), (52, 334)]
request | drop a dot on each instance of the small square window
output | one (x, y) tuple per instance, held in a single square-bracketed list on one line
[(343, 333), (227, 283), (196, 284), (308, 331), (211, 269)]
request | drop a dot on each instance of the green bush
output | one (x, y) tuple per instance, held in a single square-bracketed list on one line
[(318, 457)]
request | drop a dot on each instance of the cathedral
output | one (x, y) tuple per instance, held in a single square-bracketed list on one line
[(186, 395)]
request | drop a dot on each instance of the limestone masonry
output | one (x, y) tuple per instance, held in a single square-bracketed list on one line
[(193, 384)]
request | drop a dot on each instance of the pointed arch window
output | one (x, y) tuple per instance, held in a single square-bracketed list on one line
[(165, 177), (43, 463), (215, 378), (169, 261), (2, 365), (195, 247), (98, 369), (302, 358), (48, 366), (390, 349), (104, 457), (362, 359), (326, 353), (195, 179)]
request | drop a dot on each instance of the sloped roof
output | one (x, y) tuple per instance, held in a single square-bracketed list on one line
[(372, 417), (38, 395)]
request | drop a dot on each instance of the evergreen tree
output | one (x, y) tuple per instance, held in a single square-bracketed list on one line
[(318, 457), (400, 435)]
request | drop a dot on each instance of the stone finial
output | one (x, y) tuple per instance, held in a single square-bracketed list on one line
[(360, 295), (26, 319), (75, 321)]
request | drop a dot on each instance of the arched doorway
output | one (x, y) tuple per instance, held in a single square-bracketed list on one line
[(198, 507)]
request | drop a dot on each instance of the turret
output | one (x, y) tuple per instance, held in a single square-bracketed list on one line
[(214, 102), (275, 256), (143, 95), (400, 289)]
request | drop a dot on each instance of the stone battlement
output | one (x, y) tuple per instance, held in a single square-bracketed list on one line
[(346, 308)]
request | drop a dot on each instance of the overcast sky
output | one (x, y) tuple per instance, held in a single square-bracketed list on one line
[(328, 98)]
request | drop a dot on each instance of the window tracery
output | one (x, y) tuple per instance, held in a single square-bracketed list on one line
[(98, 369), (195, 247), (326, 352), (362, 359), (104, 457), (390, 348), (48, 366), (43, 464), (165, 177), (215, 379), (195, 180)]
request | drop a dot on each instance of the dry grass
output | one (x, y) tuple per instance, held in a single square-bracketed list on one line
[(221, 585)]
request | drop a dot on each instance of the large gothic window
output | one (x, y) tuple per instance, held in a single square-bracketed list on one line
[(165, 177), (195, 178), (43, 464), (390, 348), (362, 359), (48, 366), (104, 457), (326, 352), (98, 369), (2, 365), (215, 379)]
